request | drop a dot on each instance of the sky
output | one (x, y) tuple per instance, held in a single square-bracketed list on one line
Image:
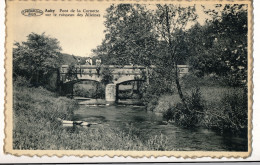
[(77, 35)]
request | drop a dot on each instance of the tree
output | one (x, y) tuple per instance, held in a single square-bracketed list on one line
[(220, 46), (200, 43), (171, 22), (107, 75), (137, 35), (129, 38), (36, 57)]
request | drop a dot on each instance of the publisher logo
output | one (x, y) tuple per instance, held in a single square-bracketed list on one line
[(32, 12)]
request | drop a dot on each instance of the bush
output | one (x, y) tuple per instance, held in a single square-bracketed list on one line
[(231, 115), (72, 72), (195, 101), (169, 114), (21, 81), (234, 80), (187, 118), (150, 106), (166, 102), (152, 92)]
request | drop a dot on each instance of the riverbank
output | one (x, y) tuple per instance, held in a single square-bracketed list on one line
[(218, 106), (36, 126)]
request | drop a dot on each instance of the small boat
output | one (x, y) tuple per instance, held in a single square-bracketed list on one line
[(81, 123), (65, 121), (85, 124)]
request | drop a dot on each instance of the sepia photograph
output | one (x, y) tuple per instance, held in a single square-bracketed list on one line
[(142, 77)]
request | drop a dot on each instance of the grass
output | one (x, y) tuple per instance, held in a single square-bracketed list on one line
[(224, 107), (36, 127), (212, 94)]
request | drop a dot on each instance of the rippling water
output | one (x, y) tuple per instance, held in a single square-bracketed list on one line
[(150, 124)]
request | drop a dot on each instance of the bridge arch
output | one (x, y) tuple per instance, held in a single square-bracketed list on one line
[(129, 78), (67, 88), (132, 87)]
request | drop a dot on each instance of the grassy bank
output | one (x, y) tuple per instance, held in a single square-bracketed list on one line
[(35, 126), (214, 105)]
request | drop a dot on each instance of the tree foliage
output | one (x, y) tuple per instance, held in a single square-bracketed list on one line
[(36, 57), (129, 38), (170, 22), (220, 46), (107, 75), (167, 36)]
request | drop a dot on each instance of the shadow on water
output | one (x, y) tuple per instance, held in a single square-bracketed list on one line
[(92, 118), (147, 124), (138, 119)]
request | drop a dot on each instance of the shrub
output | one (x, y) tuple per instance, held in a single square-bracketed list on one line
[(234, 80), (71, 72), (152, 103), (21, 81), (232, 114), (187, 118), (151, 94), (169, 114), (166, 102), (195, 101)]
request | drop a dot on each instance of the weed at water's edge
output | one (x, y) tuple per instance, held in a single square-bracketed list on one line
[(231, 114), (190, 117)]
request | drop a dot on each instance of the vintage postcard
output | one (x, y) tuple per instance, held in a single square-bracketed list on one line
[(129, 78)]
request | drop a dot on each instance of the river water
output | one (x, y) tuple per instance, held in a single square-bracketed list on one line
[(150, 124)]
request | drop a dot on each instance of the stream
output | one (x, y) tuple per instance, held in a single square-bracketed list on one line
[(150, 124)]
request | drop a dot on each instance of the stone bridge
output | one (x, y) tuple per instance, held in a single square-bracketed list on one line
[(120, 74)]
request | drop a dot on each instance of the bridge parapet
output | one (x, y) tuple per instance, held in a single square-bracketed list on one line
[(64, 68), (94, 73)]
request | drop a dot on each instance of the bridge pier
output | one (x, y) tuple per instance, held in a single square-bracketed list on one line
[(111, 93)]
